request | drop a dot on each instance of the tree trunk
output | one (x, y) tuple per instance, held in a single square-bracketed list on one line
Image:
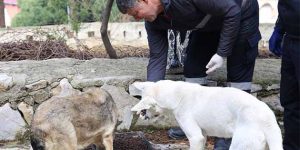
[(106, 13), (2, 15)]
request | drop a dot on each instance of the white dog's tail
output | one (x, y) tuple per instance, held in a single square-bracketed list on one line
[(273, 135)]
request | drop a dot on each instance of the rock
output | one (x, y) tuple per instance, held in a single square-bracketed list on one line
[(40, 96), (20, 79), (64, 89), (11, 123), (6, 82), (170, 146), (254, 94), (29, 100), (36, 86), (124, 103), (16, 147), (273, 87), (121, 81), (80, 82), (255, 88), (274, 103), (27, 112), (54, 84)]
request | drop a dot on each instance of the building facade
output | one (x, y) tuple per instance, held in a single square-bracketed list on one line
[(10, 10), (268, 11)]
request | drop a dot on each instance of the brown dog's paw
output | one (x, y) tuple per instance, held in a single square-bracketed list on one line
[(93, 147)]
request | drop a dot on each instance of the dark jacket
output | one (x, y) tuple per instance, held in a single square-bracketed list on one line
[(230, 17), (289, 16)]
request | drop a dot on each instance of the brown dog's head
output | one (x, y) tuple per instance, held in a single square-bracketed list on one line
[(40, 140), (37, 141)]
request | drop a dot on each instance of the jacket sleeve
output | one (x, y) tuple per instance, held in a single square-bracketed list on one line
[(279, 26), (231, 12), (158, 45)]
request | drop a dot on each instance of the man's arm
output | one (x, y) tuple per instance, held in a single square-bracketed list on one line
[(231, 13), (158, 44), (275, 41), (279, 25)]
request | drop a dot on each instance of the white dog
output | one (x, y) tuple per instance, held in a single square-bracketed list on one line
[(213, 111)]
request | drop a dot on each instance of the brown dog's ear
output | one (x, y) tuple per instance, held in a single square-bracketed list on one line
[(137, 88)]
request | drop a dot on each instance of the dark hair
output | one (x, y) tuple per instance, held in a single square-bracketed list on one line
[(124, 5)]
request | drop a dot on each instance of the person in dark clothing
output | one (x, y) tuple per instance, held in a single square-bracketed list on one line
[(285, 42), (221, 29)]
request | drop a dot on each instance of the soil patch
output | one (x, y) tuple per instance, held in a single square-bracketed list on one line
[(136, 140), (161, 137), (131, 141)]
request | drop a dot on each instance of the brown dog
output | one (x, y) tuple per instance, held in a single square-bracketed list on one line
[(75, 121)]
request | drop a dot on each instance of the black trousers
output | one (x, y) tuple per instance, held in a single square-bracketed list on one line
[(240, 64), (290, 92)]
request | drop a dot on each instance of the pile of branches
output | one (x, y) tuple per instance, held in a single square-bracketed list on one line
[(40, 50)]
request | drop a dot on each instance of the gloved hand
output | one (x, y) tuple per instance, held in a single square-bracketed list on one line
[(275, 42), (215, 62)]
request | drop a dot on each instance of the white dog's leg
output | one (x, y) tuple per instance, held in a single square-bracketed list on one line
[(193, 133), (248, 138), (197, 142)]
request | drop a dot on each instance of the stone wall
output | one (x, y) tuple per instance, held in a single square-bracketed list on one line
[(26, 84)]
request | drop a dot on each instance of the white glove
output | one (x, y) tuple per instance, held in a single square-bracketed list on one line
[(215, 62)]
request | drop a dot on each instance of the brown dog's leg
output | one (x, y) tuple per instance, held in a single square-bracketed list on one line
[(108, 141), (98, 143)]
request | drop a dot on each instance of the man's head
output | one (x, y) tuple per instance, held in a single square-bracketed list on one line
[(141, 9)]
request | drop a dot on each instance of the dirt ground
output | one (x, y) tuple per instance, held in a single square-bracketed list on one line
[(139, 140), (135, 140), (161, 137)]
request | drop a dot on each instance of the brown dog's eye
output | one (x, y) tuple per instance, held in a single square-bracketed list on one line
[(143, 112)]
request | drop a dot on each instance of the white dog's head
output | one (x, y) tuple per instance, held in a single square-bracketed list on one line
[(144, 105), (153, 96), (147, 102)]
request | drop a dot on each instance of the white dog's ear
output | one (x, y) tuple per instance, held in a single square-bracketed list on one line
[(145, 103), (137, 88)]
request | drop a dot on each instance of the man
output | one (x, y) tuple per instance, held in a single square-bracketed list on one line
[(223, 29), (287, 29)]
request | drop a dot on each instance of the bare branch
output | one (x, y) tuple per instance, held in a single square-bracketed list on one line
[(106, 13), (2, 16)]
